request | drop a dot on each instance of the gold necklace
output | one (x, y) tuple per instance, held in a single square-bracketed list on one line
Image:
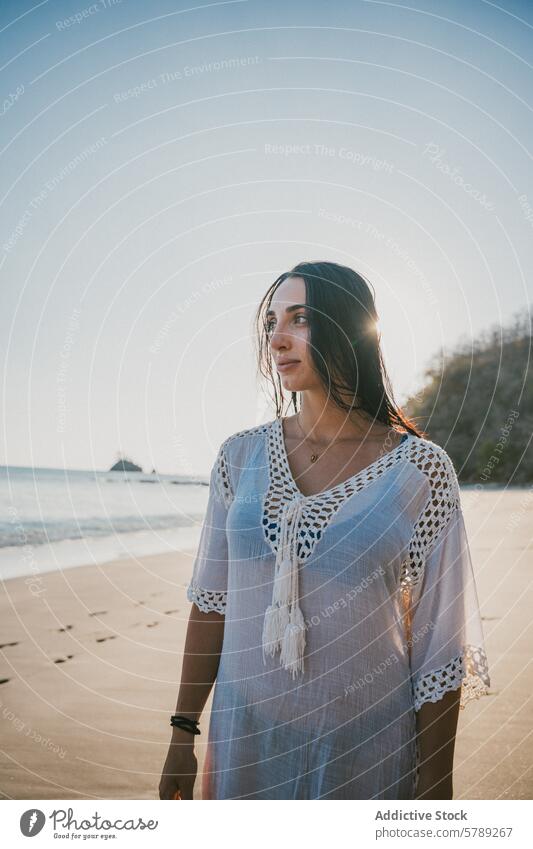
[(314, 456)]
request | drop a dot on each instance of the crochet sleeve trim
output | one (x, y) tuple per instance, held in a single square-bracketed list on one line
[(222, 480), (207, 600), (469, 670), (443, 500)]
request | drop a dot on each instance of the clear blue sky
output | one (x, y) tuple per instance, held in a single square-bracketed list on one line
[(161, 167)]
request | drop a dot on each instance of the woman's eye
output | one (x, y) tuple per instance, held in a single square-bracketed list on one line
[(270, 325)]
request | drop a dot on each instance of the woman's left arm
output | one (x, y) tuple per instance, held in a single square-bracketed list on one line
[(436, 726), (447, 659)]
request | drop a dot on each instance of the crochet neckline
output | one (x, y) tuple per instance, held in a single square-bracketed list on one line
[(277, 423)]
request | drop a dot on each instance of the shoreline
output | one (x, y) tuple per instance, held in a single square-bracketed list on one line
[(35, 560)]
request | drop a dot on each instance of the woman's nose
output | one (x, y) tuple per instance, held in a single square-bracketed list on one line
[(279, 339)]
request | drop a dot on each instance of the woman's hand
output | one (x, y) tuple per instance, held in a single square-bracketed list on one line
[(180, 767), (201, 657)]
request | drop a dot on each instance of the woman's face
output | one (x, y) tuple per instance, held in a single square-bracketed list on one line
[(289, 332)]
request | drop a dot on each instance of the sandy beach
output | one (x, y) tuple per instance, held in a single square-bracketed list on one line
[(91, 658)]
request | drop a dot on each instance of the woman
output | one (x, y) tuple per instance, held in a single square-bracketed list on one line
[(334, 598)]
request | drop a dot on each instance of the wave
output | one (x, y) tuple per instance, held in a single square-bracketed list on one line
[(26, 532)]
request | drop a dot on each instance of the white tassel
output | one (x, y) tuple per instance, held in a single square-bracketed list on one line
[(283, 582), (271, 629), (293, 643), (274, 624), (284, 625), (283, 619)]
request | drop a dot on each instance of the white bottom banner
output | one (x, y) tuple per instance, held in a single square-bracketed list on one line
[(139, 822)]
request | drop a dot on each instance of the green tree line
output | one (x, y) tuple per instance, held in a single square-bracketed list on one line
[(477, 402)]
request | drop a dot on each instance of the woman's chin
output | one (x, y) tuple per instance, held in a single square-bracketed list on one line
[(292, 384)]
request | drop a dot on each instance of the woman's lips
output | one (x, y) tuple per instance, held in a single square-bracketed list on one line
[(287, 366)]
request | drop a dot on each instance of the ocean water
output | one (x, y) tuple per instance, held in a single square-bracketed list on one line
[(56, 518)]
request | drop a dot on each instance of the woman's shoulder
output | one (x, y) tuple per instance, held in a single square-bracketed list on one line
[(246, 436), (244, 439), (435, 463), (237, 449)]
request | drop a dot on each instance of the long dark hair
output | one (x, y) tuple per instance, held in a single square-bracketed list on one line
[(344, 343)]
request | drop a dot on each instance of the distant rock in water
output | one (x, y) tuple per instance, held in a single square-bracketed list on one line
[(125, 465)]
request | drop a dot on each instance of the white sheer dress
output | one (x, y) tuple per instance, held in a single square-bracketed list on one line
[(378, 569)]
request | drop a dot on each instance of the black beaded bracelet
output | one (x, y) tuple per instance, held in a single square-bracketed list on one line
[(179, 721)]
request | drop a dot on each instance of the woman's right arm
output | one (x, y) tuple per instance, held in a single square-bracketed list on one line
[(207, 591), (203, 645)]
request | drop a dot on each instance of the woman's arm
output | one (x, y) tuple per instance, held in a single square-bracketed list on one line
[(207, 591), (444, 631), (203, 645), (436, 726)]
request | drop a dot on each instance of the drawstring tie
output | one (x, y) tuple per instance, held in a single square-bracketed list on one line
[(284, 626)]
